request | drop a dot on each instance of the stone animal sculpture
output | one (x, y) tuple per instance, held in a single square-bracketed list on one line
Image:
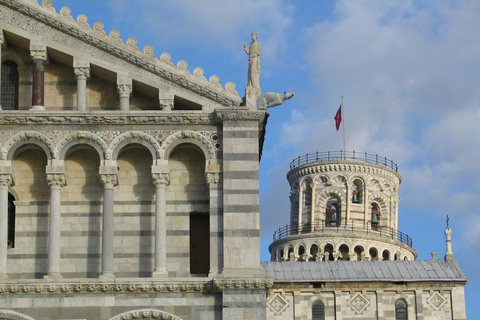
[(272, 99)]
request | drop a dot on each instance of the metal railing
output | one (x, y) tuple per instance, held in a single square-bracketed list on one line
[(380, 231), (343, 155)]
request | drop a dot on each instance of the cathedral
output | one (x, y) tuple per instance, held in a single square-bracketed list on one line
[(129, 189)]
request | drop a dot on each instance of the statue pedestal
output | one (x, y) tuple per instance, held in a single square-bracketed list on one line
[(251, 95)]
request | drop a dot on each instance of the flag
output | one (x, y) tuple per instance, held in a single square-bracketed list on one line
[(338, 118)]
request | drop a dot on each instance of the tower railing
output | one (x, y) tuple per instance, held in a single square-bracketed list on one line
[(321, 227), (343, 155)]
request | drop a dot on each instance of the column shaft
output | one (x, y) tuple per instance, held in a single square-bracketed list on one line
[(38, 90), (161, 181), (5, 182), (107, 232), (56, 181)]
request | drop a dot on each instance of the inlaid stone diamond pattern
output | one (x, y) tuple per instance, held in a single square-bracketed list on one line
[(436, 300), (358, 303), (277, 304)]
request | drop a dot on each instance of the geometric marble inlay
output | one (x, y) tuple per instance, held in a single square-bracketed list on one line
[(358, 303), (277, 304), (436, 301)]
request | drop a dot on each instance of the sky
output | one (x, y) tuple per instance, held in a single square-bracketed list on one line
[(409, 72)]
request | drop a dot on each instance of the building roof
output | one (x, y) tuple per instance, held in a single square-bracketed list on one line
[(329, 271)]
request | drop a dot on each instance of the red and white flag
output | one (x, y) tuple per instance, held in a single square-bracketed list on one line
[(338, 118)]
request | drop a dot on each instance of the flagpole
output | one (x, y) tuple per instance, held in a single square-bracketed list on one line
[(344, 140)]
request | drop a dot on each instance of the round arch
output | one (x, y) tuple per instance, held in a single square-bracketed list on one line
[(186, 137), (22, 139), (145, 314), (134, 137), (7, 314), (81, 138)]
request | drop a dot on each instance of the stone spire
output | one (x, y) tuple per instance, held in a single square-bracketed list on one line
[(449, 256)]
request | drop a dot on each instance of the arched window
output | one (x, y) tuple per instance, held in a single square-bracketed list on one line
[(357, 192), (318, 310), (375, 217), (332, 214), (401, 310), (9, 89), (11, 222)]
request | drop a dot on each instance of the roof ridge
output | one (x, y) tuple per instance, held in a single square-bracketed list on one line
[(145, 59)]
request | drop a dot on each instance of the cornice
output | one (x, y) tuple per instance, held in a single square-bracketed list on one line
[(130, 285), (18, 117), (238, 115), (350, 167), (128, 51)]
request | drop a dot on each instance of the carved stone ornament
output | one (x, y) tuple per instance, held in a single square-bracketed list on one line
[(124, 89), (82, 72), (109, 287), (6, 314), (56, 180), (436, 301), (146, 314), (161, 178), (212, 177), (22, 118), (109, 179), (5, 180), (239, 283), (277, 304), (237, 115), (358, 303)]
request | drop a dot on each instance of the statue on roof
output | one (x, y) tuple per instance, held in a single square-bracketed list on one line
[(253, 52)]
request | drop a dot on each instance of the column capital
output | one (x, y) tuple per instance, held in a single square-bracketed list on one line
[(82, 72), (38, 51), (213, 178), (56, 179), (6, 180), (124, 90), (109, 180), (160, 179), (166, 100)]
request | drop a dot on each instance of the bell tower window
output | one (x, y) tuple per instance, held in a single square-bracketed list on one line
[(9, 89)]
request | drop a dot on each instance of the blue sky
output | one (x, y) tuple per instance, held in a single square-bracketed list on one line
[(409, 72)]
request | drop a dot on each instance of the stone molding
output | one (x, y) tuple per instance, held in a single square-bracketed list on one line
[(113, 45), (351, 167), (145, 314), (102, 119), (242, 283), (100, 286), (238, 115), (108, 141), (7, 314)]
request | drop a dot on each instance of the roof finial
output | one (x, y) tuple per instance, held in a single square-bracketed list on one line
[(449, 256)]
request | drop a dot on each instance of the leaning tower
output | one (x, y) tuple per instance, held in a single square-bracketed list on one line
[(344, 206)]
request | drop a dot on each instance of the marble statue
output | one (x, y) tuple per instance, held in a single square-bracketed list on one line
[(253, 52), (272, 99)]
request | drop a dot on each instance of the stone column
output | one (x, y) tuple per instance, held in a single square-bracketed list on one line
[(214, 182), (56, 181), (166, 100), (38, 52), (82, 73), (366, 207), (313, 203), (348, 201), (449, 256), (161, 181), (109, 180), (124, 87), (2, 41), (5, 182), (300, 208)]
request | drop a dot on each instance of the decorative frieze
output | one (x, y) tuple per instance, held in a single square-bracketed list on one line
[(106, 287), (241, 283), (238, 115)]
